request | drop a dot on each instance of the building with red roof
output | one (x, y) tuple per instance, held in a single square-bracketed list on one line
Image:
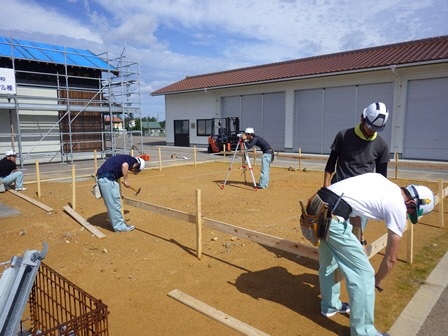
[(302, 103)]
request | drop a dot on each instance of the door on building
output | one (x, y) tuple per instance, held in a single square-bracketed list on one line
[(181, 133)]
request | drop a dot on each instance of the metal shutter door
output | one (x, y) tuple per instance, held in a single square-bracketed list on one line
[(308, 120), (231, 107), (339, 112), (274, 120), (426, 120)]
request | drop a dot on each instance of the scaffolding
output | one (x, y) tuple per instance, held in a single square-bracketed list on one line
[(62, 111)]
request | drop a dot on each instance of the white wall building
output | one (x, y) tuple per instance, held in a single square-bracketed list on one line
[(302, 104)]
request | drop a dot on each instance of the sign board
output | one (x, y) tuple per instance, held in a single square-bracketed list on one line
[(7, 81)]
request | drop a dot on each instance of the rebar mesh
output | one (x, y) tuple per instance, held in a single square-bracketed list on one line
[(58, 307)]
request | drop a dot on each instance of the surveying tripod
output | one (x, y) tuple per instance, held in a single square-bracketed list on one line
[(245, 157)]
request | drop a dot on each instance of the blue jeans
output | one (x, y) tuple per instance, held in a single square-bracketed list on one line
[(110, 190), (15, 176), (342, 250), (265, 170)]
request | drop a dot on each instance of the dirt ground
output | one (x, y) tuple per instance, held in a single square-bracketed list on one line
[(273, 291)]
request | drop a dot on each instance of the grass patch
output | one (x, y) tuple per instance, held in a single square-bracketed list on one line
[(406, 279)]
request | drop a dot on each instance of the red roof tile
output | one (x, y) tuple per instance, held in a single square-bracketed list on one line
[(420, 51)]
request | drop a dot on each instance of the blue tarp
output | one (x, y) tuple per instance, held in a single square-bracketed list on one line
[(43, 52)]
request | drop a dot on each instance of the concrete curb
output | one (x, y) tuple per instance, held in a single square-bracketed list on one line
[(415, 313)]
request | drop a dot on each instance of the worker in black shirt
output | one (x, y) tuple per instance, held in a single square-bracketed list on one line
[(267, 158)]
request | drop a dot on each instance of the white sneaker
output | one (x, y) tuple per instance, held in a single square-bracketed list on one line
[(127, 228), (21, 189), (345, 309)]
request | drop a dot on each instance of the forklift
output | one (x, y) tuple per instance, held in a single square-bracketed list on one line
[(224, 134)]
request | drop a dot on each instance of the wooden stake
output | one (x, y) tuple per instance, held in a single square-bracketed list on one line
[(410, 243), (396, 165), (73, 188), (95, 163), (121, 197), (160, 159), (38, 179), (194, 155), (198, 224), (300, 155), (441, 198)]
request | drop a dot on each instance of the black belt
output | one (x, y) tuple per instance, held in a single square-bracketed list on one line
[(269, 151), (109, 176), (343, 209)]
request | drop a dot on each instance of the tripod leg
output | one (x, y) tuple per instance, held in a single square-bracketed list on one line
[(251, 171), (231, 164), (246, 157), (243, 166)]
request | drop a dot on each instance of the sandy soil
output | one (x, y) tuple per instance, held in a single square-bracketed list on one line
[(132, 273)]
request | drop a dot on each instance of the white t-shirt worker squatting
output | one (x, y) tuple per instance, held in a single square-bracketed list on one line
[(374, 196)]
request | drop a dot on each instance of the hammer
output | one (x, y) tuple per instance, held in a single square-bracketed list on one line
[(136, 191)]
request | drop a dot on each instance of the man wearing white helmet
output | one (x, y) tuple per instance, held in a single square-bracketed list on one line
[(267, 157), (373, 196), (9, 175), (360, 149), (108, 174)]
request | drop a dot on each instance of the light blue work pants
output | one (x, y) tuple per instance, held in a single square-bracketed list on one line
[(15, 176), (342, 249), (110, 190), (265, 170)]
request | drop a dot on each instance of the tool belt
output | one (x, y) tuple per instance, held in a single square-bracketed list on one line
[(316, 217), (336, 204)]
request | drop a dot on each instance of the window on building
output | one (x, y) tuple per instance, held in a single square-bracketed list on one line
[(205, 127)]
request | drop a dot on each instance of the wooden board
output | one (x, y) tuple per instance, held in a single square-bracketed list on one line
[(161, 210), (255, 236), (83, 222), (215, 314), (264, 239), (31, 200)]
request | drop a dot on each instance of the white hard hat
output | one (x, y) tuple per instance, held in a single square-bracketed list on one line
[(141, 162), (424, 199), (10, 152), (249, 130), (375, 116)]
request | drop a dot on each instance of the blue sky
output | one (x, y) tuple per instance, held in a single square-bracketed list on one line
[(174, 38)]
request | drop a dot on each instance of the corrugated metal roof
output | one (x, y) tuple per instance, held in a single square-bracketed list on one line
[(420, 51), (43, 52)]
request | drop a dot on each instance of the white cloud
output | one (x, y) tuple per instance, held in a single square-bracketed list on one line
[(31, 17), (175, 38)]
